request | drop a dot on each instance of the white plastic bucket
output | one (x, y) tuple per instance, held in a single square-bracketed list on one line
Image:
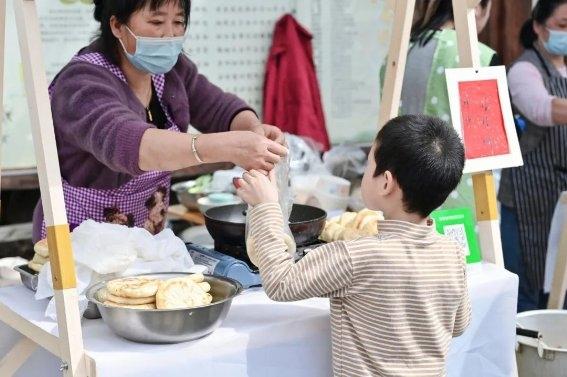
[(546, 356)]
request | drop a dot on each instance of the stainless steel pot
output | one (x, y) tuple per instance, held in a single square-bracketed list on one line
[(541, 348)]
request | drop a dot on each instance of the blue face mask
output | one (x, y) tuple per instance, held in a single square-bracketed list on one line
[(155, 55), (557, 42)]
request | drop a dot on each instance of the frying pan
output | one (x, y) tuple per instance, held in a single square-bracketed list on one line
[(227, 224)]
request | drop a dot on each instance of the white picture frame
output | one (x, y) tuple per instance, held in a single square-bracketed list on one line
[(454, 77)]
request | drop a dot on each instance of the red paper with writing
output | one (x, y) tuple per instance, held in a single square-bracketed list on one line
[(483, 128)]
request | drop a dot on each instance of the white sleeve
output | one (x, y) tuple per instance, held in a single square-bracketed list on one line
[(529, 93)]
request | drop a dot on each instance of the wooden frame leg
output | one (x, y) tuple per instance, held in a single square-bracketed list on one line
[(397, 56), (70, 337), (2, 49), (17, 357)]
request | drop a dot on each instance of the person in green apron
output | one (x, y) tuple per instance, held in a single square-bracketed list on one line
[(529, 194), (434, 48)]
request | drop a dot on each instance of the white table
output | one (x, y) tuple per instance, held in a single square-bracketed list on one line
[(264, 338)]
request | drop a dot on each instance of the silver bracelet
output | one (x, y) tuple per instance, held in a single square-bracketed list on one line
[(194, 149)]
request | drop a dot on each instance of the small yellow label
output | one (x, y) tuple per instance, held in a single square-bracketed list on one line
[(61, 257)]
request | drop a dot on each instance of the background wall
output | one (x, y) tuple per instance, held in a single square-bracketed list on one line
[(504, 26), (229, 40)]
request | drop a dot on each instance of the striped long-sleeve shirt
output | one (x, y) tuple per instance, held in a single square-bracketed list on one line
[(397, 299)]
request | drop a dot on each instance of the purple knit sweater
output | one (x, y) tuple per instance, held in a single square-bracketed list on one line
[(99, 122)]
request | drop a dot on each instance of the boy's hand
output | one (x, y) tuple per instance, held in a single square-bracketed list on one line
[(256, 188)]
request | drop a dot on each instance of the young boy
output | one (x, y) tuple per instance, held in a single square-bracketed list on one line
[(398, 298)]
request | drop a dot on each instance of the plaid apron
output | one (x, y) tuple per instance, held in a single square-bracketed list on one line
[(141, 202)]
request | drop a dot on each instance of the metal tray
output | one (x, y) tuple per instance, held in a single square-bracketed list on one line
[(29, 279), (28, 276)]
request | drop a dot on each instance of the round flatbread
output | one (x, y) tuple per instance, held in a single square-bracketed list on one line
[(206, 287), (208, 298), (41, 248), (133, 287), (39, 259), (143, 306), (104, 295), (181, 294), (35, 266)]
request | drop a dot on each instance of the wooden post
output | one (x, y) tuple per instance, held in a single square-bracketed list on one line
[(70, 338), (483, 183), (2, 48), (397, 56), (559, 282)]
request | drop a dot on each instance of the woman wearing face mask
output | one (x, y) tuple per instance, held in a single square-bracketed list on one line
[(528, 194), (121, 109), (433, 49)]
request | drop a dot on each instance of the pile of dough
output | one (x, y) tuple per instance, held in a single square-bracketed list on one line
[(40, 257), (148, 293), (352, 225)]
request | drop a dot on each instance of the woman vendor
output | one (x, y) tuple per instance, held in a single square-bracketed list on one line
[(528, 194), (121, 109)]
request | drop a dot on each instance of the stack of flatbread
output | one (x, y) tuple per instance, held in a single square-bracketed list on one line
[(40, 257), (352, 225), (149, 293)]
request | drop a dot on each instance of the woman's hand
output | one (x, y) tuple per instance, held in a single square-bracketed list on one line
[(248, 121), (271, 132), (251, 151), (256, 188)]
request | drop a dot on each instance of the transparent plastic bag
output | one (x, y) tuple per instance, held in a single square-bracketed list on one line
[(285, 198), (346, 161)]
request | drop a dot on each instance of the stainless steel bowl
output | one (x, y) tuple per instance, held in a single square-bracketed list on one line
[(187, 199), (169, 326)]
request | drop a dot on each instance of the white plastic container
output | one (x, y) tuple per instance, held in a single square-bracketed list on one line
[(222, 179), (332, 185), (546, 356), (330, 203)]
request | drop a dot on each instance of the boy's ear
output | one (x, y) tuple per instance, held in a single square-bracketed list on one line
[(389, 183)]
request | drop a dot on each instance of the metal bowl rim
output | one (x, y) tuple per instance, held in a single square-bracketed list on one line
[(91, 290), (213, 220)]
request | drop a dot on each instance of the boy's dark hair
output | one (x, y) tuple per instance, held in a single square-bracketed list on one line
[(426, 157), (123, 10)]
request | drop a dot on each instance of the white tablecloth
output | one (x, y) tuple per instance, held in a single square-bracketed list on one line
[(264, 338)]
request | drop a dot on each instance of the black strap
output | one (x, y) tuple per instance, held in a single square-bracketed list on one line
[(543, 62)]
